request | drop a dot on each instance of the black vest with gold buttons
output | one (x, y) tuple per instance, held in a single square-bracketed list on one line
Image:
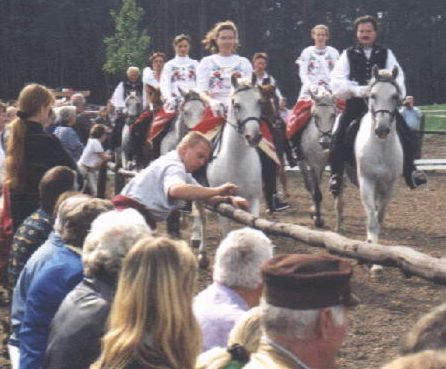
[(361, 67)]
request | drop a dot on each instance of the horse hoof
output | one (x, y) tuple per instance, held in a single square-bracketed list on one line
[(319, 223), (195, 244), (203, 261)]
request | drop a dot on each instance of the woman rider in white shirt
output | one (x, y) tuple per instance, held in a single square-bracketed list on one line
[(179, 72), (214, 72), (214, 85), (315, 64)]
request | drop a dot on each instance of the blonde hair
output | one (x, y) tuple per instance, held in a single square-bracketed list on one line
[(193, 138), (31, 100), (246, 332), (151, 319), (210, 40), (429, 359), (320, 27), (428, 333)]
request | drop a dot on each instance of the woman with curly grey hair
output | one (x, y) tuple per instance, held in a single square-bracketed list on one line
[(79, 324)]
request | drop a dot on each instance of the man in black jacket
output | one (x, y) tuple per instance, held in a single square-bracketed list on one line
[(349, 80)]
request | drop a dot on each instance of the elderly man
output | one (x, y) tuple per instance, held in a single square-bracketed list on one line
[(304, 313), (167, 182), (61, 272), (237, 284), (132, 83), (349, 80), (76, 330)]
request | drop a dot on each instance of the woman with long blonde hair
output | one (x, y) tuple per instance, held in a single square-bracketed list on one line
[(30, 151), (151, 324), (243, 340)]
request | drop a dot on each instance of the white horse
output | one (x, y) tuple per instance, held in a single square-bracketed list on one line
[(378, 151), (315, 143), (190, 113), (236, 158), (133, 108)]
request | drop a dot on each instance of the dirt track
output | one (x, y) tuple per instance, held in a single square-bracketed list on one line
[(390, 301)]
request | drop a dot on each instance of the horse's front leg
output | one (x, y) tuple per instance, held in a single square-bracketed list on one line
[(367, 190), (199, 233), (317, 197), (385, 195)]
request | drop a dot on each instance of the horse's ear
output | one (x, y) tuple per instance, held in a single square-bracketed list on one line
[(395, 72), (375, 71), (181, 91), (253, 79), (234, 81)]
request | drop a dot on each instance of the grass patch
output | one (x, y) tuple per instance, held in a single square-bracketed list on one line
[(435, 121)]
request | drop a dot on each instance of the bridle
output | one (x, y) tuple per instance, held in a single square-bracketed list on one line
[(323, 133), (239, 125), (391, 113)]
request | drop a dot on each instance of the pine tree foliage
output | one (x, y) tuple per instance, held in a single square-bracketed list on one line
[(128, 46)]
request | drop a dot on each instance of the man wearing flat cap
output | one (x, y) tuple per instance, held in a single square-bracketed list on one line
[(304, 312)]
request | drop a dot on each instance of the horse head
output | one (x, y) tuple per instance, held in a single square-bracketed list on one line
[(133, 105), (323, 113), (270, 102), (191, 109), (384, 100), (245, 109), (153, 97)]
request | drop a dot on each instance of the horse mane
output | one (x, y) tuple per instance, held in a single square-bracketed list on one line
[(324, 100), (384, 75), (191, 95), (267, 90)]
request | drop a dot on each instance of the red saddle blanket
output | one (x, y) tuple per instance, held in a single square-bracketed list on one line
[(160, 123), (211, 125), (299, 117)]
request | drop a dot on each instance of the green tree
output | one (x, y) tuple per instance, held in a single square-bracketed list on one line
[(128, 46)]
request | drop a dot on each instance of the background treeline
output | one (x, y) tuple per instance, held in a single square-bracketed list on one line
[(60, 42)]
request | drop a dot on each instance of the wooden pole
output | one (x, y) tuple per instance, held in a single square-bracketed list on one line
[(410, 261)]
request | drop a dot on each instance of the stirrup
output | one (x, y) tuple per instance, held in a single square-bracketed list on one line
[(418, 178), (335, 184)]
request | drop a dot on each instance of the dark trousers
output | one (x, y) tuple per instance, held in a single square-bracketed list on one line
[(339, 149), (269, 178)]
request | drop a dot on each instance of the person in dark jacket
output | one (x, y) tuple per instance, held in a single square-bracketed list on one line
[(79, 324), (60, 274), (31, 151)]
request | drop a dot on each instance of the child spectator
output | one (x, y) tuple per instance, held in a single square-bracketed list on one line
[(93, 156)]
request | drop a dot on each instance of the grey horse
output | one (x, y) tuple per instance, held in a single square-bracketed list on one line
[(315, 143)]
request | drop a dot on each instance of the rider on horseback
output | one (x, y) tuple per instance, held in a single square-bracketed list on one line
[(178, 73), (315, 64), (349, 79), (132, 84)]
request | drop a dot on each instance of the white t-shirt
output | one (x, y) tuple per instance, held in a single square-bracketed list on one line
[(214, 75), (150, 187), (181, 72), (315, 66), (90, 156)]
